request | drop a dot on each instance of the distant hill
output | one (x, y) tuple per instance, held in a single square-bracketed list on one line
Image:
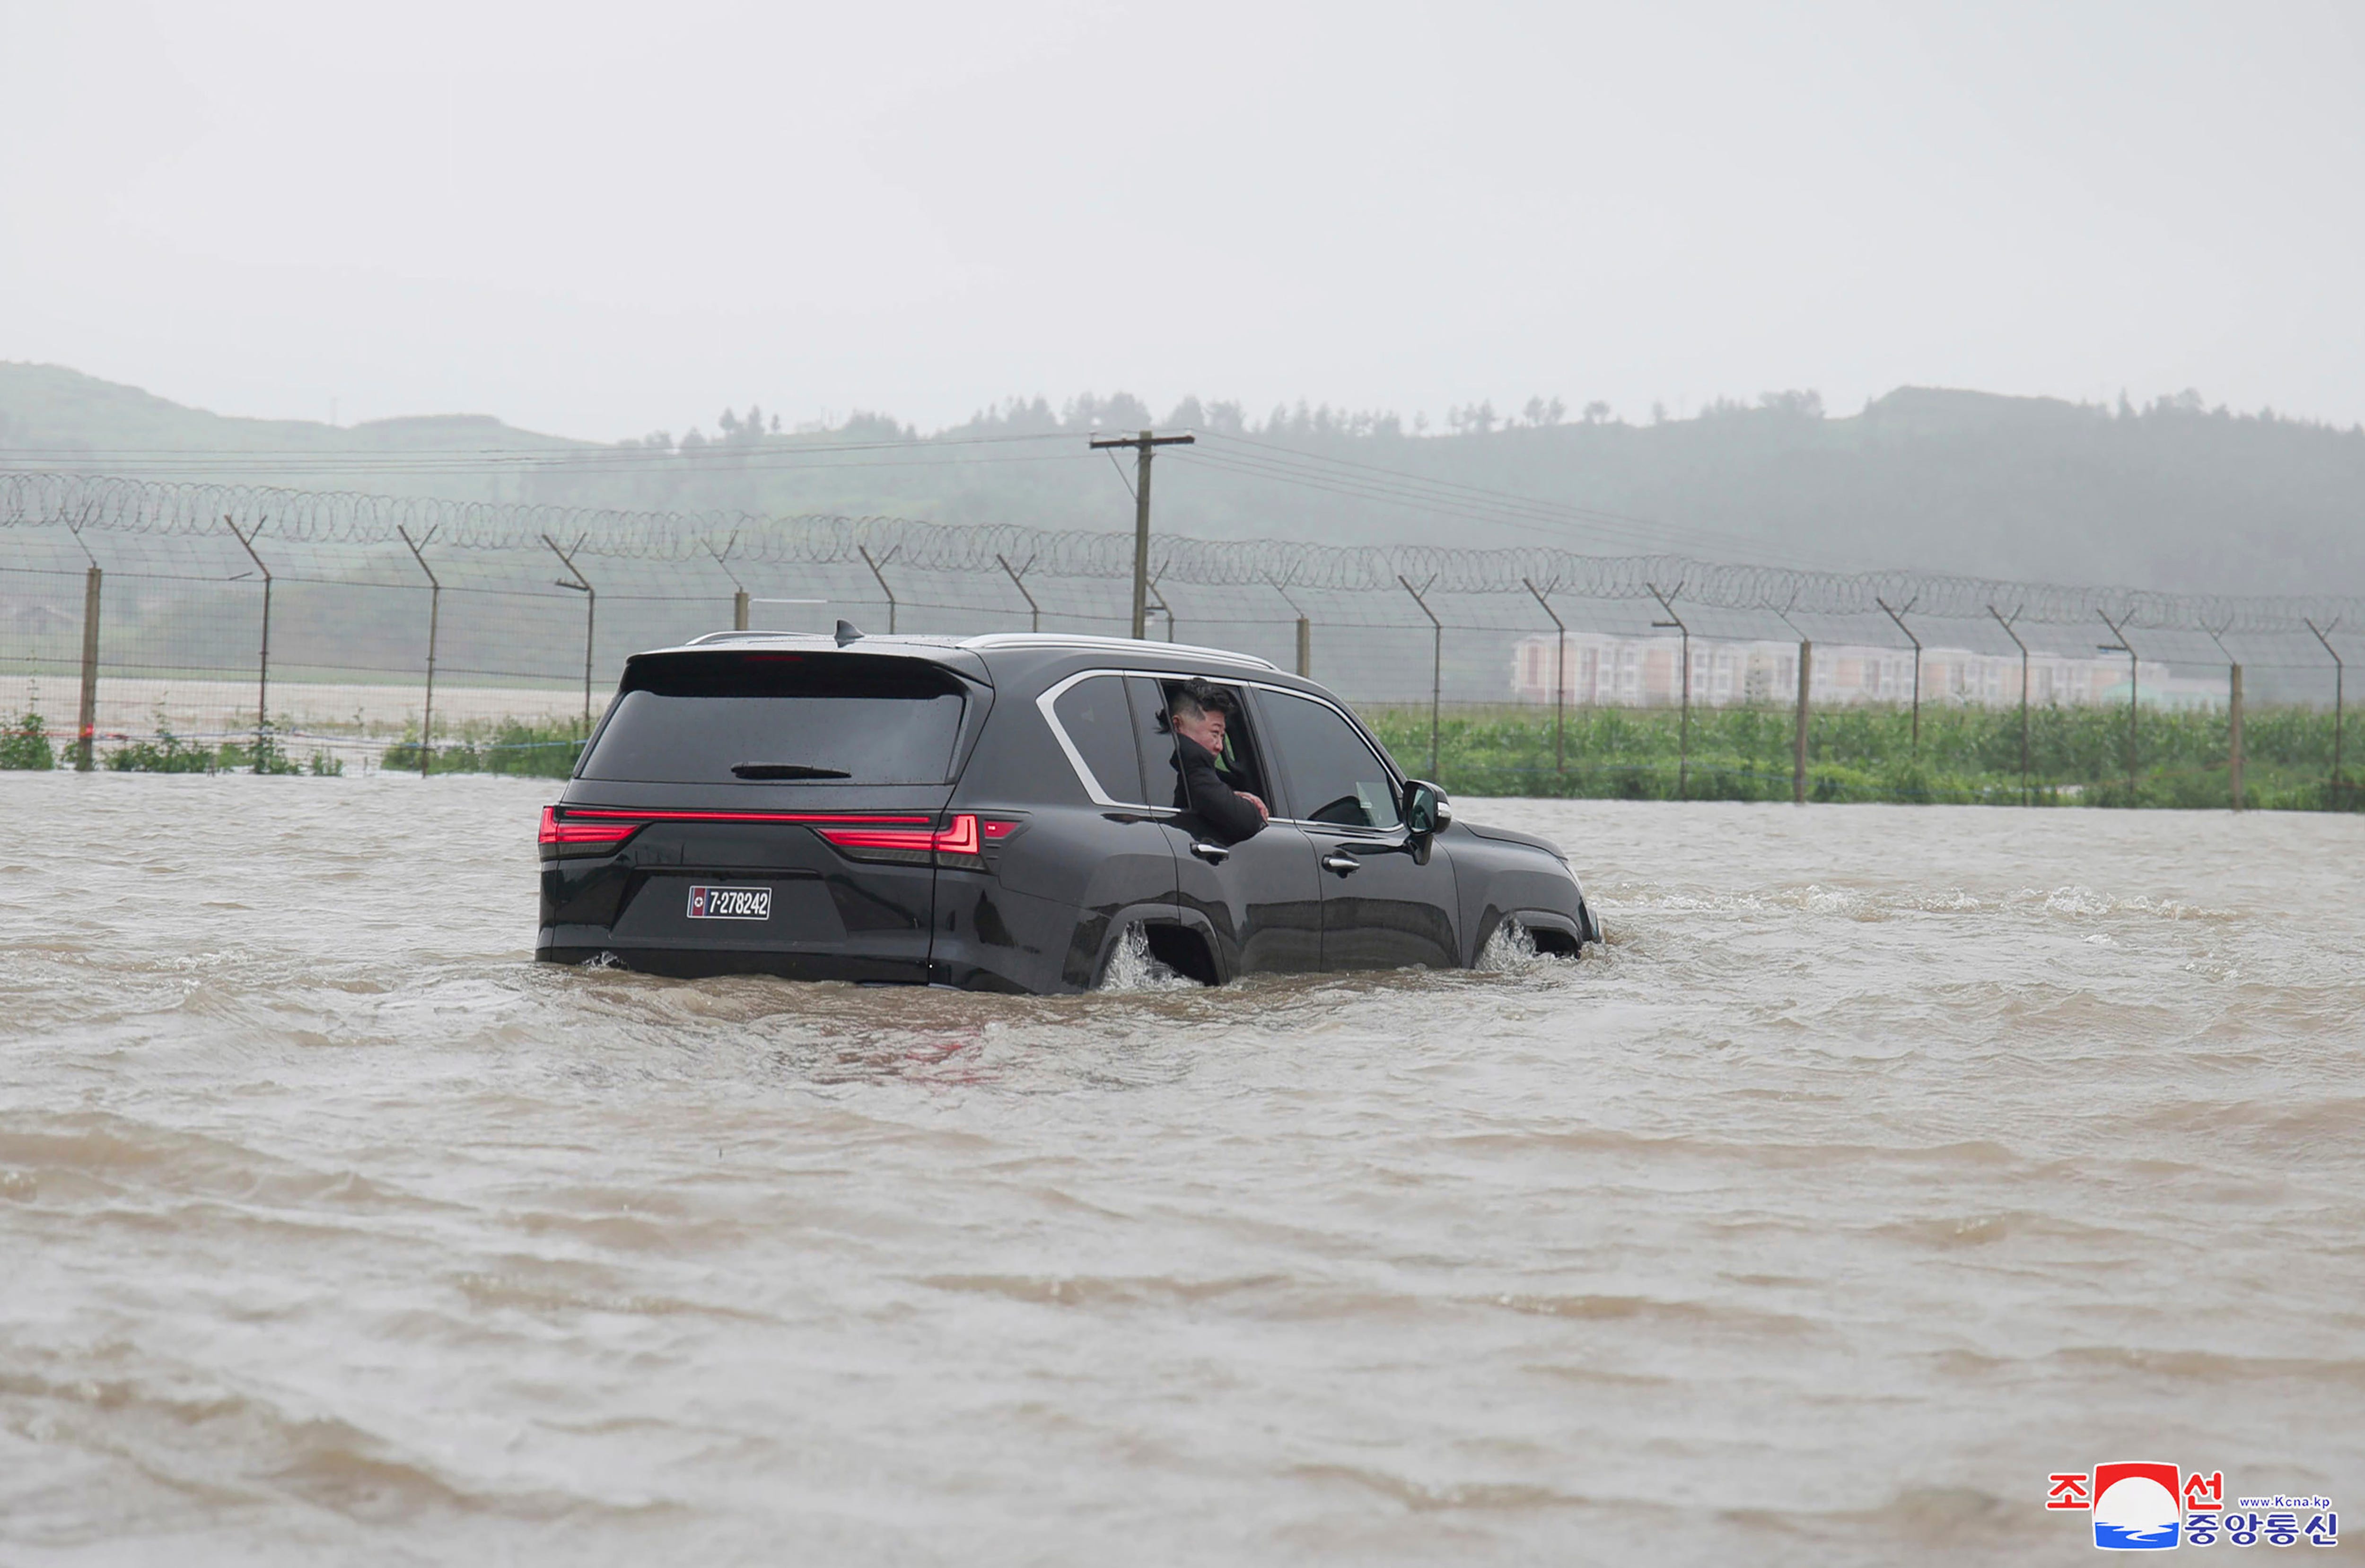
[(2172, 496)]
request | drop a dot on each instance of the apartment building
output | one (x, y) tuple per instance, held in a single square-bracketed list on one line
[(1638, 672)]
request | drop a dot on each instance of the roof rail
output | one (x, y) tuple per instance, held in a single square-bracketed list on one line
[(1111, 644), (749, 637)]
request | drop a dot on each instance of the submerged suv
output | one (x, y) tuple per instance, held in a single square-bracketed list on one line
[(1000, 813)]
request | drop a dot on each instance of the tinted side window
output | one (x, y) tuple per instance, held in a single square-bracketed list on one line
[(1332, 776), (1094, 715), (1159, 779)]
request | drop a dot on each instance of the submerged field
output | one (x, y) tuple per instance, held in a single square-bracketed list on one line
[(1885, 1162)]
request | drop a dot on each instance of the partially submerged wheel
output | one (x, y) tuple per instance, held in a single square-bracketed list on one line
[(1517, 946), (1157, 956)]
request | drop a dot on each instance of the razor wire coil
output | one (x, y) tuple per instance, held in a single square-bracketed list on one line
[(115, 505)]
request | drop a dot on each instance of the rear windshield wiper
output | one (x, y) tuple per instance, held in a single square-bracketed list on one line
[(786, 770)]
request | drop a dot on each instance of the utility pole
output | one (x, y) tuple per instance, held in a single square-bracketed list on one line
[(1144, 444)]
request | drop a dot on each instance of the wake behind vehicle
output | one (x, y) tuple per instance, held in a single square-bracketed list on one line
[(997, 813)]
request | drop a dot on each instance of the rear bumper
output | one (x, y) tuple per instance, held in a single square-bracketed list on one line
[(697, 963)]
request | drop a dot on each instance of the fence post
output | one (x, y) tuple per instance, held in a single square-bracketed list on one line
[(2339, 674), (1304, 632), (1158, 601), (1034, 610), (88, 727), (739, 601), (2026, 794), (1559, 680), (581, 585), (1435, 664), (263, 683), (2233, 711), (1684, 734), (2135, 689), (434, 624), (1798, 742), (875, 572), (2233, 731), (1898, 616)]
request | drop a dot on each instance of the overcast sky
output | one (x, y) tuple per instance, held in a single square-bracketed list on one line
[(603, 219)]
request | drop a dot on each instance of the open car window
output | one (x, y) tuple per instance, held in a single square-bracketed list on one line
[(1242, 758)]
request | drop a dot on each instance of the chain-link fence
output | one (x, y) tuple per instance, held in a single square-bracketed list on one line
[(194, 626)]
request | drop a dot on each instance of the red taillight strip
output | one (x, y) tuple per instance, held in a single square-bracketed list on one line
[(559, 830), (579, 813), (961, 838), (908, 833)]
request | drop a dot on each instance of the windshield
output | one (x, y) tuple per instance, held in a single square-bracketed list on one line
[(775, 718)]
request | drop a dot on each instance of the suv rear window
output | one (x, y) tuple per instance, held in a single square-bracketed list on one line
[(780, 718)]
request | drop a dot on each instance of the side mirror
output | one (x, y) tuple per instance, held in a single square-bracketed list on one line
[(1426, 808)]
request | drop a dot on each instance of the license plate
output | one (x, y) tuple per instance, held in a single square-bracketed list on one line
[(730, 903)]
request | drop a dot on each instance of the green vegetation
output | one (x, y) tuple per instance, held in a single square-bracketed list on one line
[(1967, 755), (169, 753), (25, 745), (546, 750)]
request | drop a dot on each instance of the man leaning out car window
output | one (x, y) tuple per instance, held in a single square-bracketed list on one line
[(1199, 712)]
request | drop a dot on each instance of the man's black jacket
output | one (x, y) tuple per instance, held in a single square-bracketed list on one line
[(1204, 788)]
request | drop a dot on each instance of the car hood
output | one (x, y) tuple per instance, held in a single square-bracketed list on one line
[(1510, 835)]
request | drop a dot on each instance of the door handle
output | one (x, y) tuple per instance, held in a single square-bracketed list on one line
[(1339, 860), (1213, 854)]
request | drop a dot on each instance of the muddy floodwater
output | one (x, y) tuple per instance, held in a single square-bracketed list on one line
[(1887, 1161)]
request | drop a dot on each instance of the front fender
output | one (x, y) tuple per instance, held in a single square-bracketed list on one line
[(1501, 878)]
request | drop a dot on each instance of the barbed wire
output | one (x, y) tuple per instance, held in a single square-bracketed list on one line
[(117, 505)]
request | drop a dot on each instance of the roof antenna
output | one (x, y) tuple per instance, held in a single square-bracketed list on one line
[(848, 632)]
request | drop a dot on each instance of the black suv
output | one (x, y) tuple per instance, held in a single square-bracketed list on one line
[(998, 813)]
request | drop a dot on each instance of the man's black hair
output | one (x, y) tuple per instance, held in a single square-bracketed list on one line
[(1203, 696)]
